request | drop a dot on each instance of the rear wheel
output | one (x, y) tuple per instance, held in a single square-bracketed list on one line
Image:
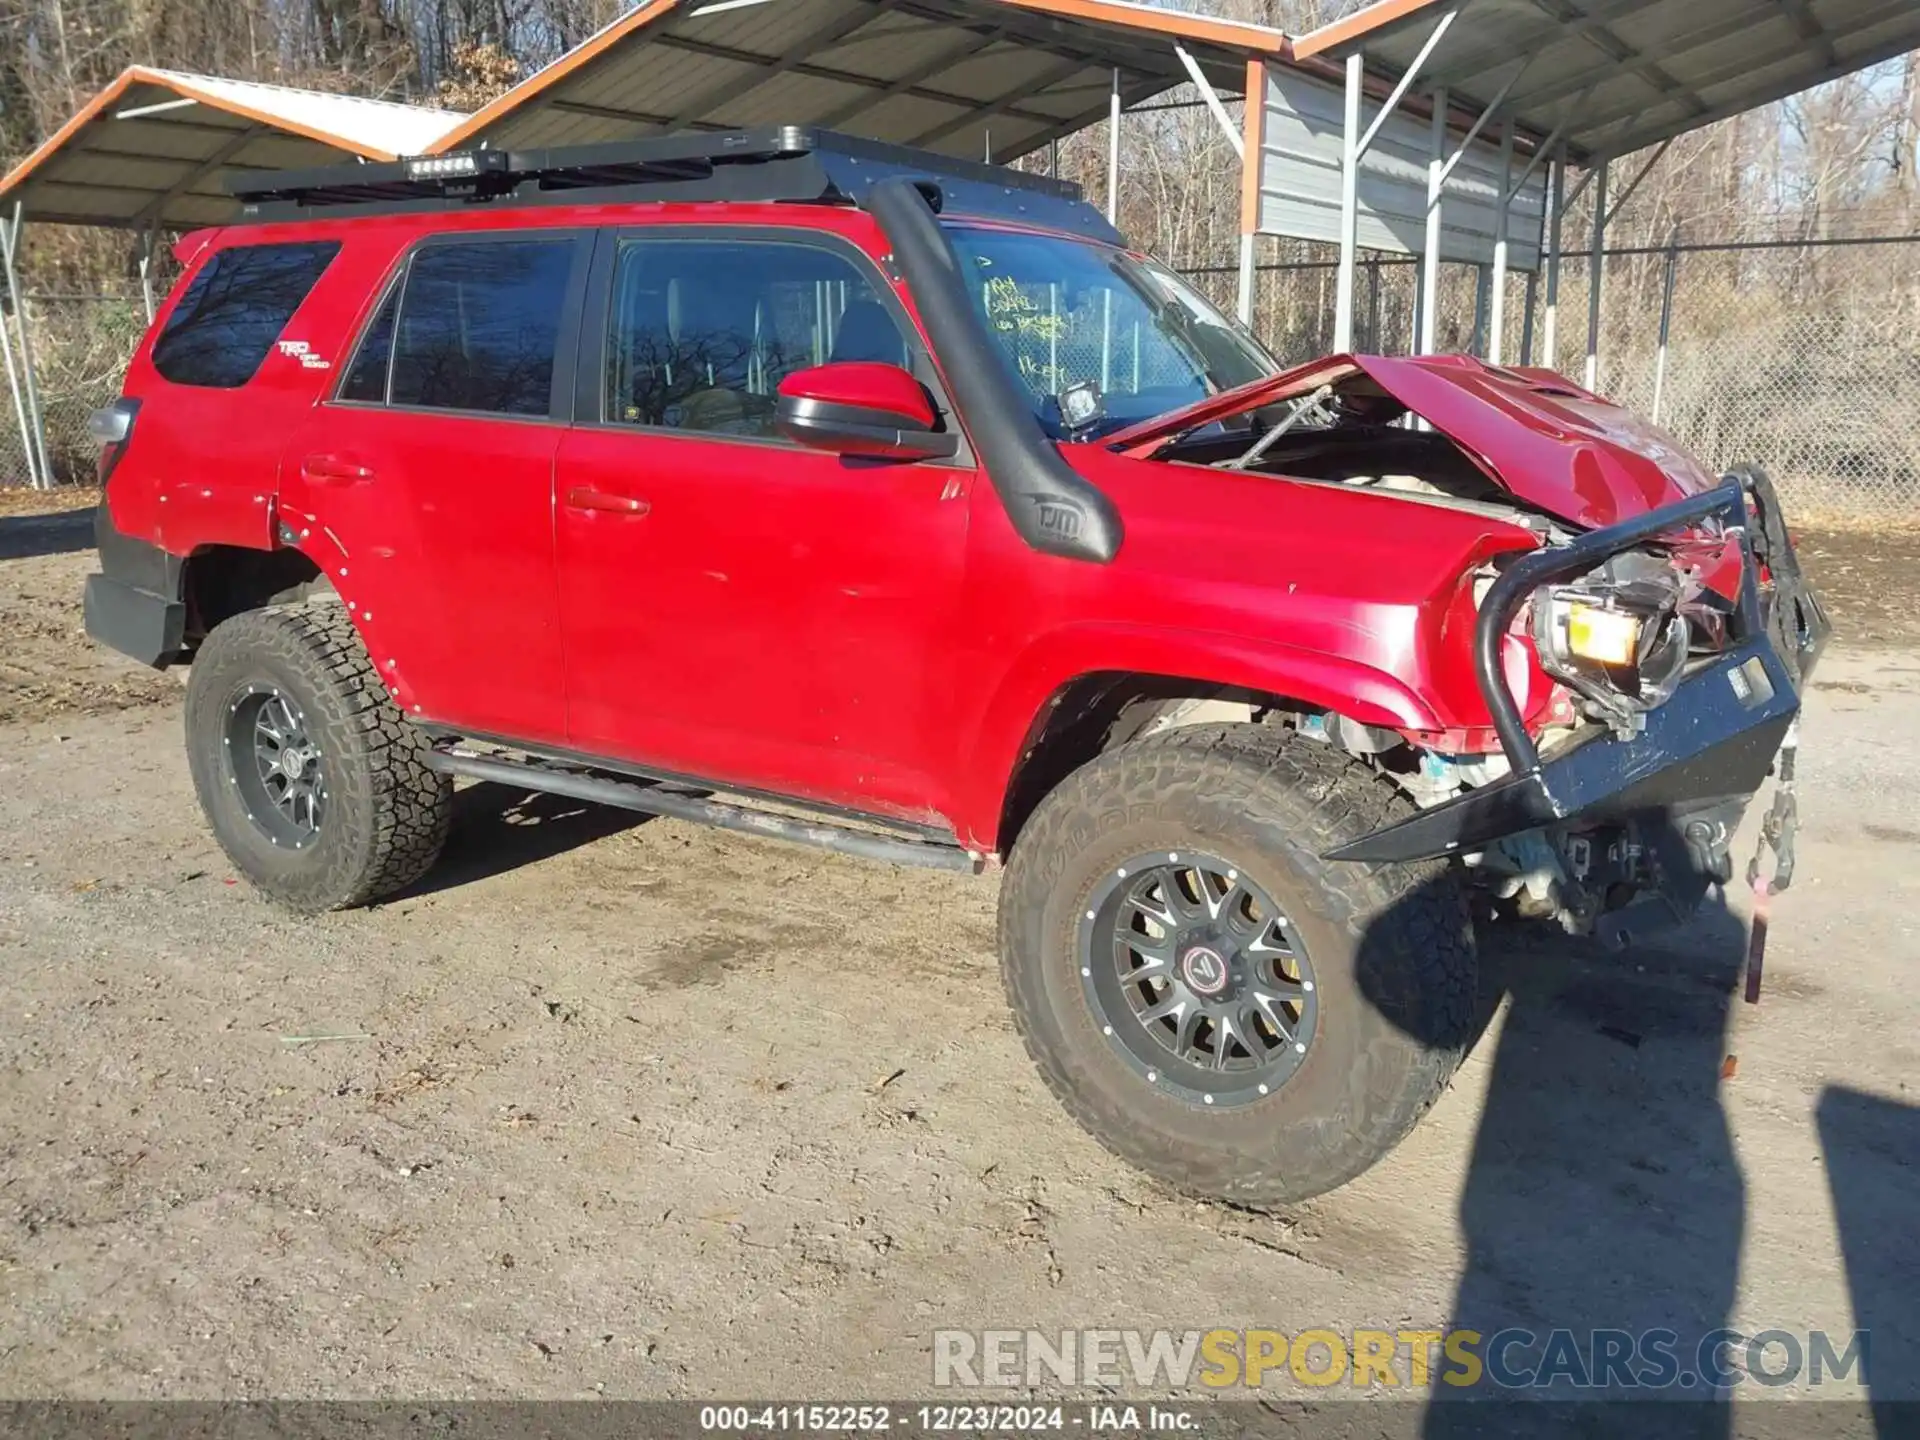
[(316, 787), (1211, 999)]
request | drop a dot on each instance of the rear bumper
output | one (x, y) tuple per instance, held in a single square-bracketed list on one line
[(135, 604), (1708, 749)]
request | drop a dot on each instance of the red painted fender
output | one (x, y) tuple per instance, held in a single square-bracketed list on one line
[(999, 742)]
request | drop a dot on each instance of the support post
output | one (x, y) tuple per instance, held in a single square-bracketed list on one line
[(1596, 267), (1243, 293), (1666, 324), (19, 400), (1053, 338), (1253, 120), (1526, 317), (1349, 206), (32, 430), (147, 238), (1497, 301), (1106, 341), (1355, 143), (1430, 252), (1113, 214), (1477, 343), (1556, 210), (1373, 305)]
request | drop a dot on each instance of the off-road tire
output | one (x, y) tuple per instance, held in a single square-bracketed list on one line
[(1391, 947), (387, 813)]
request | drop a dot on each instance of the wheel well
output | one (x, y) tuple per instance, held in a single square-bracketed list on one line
[(222, 581), (1096, 713)]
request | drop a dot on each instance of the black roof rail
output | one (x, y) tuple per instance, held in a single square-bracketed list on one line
[(783, 163)]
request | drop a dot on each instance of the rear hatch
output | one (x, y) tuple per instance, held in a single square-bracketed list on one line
[(1535, 433)]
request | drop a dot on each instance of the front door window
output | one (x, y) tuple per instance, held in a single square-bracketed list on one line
[(704, 331)]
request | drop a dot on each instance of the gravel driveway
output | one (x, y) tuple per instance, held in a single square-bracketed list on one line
[(611, 1107)]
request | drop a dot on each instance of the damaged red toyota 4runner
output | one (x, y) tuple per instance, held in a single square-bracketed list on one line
[(860, 497)]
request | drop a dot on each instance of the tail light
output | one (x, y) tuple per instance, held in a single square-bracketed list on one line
[(112, 426)]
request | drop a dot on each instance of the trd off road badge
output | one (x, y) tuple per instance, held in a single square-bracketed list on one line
[(297, 350)]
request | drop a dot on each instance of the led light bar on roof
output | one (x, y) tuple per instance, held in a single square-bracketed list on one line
[(456, 165)]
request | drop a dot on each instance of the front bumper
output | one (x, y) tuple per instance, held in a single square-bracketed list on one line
[(1708, 748)]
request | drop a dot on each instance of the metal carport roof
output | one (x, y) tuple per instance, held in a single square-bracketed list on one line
[(1613, 76), (957, 76), (148, 151)]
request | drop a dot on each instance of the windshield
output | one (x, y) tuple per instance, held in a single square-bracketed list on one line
[(1099, 339)]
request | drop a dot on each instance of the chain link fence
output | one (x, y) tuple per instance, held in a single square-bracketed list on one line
[(1803, 359), (1801, 356), (80, 349)]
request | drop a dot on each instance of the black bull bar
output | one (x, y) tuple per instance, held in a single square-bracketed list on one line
[(1712, 742)]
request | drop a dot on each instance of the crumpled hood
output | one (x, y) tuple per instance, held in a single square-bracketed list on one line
[(1535, 433)]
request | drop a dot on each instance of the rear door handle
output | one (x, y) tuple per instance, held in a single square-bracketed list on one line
[(332, 470), (583, 497)]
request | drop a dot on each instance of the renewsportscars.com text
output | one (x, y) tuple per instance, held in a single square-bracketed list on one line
[(1512, 1359)]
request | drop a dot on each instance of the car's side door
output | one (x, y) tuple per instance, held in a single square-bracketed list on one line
[(431, 468), (737, 607)]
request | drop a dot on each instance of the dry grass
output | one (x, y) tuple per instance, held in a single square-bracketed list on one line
[(19, 500)]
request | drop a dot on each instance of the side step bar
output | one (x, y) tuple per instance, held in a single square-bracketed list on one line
[(654, 799)]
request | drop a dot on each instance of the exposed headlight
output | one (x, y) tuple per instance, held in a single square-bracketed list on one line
[(1606, 637), (1615, 636)]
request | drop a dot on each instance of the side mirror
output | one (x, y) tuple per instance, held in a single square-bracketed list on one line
[(861, 407)]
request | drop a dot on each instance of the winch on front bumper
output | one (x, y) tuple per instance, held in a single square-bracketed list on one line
[(1672, 794)]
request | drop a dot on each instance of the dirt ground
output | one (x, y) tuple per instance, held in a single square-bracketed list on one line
[(621, 1108), (46, 665)]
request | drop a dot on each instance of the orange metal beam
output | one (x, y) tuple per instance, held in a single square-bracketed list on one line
[(140, 75), (1359, 24), (1254, 124), (541, 80)]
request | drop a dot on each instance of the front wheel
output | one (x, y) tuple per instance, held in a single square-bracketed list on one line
[(316, 787), (1216, 1003)]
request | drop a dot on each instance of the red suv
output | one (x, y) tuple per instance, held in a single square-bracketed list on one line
[(835, 492)]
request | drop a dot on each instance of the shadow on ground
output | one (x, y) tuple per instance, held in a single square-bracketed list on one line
[(497, 828), (1603, 1226), (1617, 1208), (59, 532), (1872, 1152)]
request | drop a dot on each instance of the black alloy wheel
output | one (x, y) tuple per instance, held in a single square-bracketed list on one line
[(1197, 978), (276, 766)]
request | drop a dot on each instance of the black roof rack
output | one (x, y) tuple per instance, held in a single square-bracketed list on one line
[(786, 163)]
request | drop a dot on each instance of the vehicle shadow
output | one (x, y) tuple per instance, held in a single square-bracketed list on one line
[(59, 532), (1872, 1151), (497, 828), (1603, 1192)]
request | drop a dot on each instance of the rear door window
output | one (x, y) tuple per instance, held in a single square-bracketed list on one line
[(367, 377), (234, 309), (478, 326)]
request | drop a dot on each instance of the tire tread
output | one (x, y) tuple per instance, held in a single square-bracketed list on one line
[(1322, 797), (384, 757)]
